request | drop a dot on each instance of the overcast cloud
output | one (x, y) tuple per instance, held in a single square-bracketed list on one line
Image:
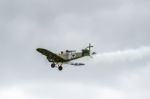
[(118, 29)]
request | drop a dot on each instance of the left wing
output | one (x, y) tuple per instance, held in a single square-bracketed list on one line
[(51, 55)]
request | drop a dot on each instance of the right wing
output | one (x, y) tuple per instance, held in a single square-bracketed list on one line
[(77, 64), (51, 55)]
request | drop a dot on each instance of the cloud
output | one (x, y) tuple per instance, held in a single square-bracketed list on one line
[(118, 29), (55, 90)]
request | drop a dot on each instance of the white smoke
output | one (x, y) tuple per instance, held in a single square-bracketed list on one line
[(129, 55)]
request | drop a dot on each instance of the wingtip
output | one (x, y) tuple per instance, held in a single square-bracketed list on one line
[(38, 49)]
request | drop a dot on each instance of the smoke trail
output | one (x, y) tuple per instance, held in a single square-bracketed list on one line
[(130, 55)]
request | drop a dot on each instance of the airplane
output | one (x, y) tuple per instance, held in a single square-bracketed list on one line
[(65, 57)]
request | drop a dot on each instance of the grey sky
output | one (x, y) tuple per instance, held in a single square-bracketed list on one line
[(118, 29)]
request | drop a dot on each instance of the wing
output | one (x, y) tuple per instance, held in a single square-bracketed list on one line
[(77, 64), (52, 56)]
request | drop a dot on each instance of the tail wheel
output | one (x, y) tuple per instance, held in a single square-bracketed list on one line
[(60, 68), (53, 65)]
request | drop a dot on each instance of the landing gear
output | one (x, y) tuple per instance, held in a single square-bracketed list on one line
[(53, 65), (60, 68)]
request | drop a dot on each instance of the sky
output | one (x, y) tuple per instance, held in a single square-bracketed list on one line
[(118, 30)]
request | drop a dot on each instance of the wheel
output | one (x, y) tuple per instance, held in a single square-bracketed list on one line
[(60, 68), (53, 65)]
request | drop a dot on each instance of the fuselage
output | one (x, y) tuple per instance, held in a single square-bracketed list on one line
[(68, 55)]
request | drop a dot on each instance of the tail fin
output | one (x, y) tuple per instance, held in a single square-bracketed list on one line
[(87, 50), (89, 47)]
